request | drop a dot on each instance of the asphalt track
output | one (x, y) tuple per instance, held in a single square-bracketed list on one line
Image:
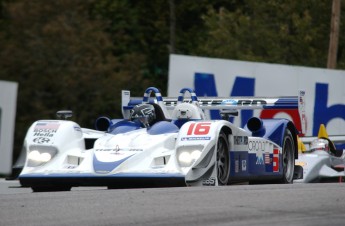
[(295, 204)]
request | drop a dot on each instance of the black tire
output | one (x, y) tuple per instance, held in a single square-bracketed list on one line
[(223, 160), (288, 156), (50, 188)]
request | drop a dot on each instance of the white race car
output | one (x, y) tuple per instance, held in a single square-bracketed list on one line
[(320, 158), (164, 142)]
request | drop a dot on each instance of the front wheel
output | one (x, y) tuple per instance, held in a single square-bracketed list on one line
[(288, 158), (223, 160)]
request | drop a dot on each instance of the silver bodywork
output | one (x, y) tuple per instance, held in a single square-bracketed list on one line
[(321, 165)]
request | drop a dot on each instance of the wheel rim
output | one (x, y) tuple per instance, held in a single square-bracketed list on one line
[(288, 160), (222, 161)]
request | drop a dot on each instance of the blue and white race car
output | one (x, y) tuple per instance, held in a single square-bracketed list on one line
[(164, 142)]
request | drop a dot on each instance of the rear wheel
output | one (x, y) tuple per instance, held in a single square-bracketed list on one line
[(223, 160), (288, 158)]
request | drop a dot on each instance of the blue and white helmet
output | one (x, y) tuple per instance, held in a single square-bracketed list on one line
[(144, 113)]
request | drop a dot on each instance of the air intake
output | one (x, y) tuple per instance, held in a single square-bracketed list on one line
[(256, 126), (102, 123)]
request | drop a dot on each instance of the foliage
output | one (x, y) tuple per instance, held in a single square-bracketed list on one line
[(286, 32), (62, 59)]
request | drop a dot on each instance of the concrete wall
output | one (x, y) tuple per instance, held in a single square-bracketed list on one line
[(8, 103)]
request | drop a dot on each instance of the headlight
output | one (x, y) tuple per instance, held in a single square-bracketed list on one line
[(186, 156), (34, 155), (39, 157), (45, 157)]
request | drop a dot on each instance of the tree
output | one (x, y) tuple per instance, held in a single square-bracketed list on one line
[(62, 59), (286, 32), (142, 29), (334, 36)]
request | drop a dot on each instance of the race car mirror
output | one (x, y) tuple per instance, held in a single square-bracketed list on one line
[(227, 113), (64, 114)]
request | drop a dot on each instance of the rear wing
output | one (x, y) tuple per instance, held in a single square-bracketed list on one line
[(216, 103)]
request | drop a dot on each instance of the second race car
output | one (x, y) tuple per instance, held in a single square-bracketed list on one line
[(321, 159)]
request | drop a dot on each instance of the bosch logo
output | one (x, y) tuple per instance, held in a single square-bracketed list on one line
[(41, 140)]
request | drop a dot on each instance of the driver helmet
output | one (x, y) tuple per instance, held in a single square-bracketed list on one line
[(144, 113), (319, 145)]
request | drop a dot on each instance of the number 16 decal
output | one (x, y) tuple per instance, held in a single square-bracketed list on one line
[(201, 128)]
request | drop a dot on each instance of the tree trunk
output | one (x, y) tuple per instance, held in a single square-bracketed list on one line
[(172, 26), (334, 36)]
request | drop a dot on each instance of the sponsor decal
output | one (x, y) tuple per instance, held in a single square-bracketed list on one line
[(298, 163), (259, 160), (267, 158), (196, 129), (70, 167), (41, 140), (102, 171), (244, 165), (209, 182), (46, 129), (118, 150), (258, 146), (112, 151), (194, 138), (275, 160), (251, 102), (47, 126), (201, 128), (133, 149), (42, 133), (229, 102), (236, 166), (77, 128), (240, 140)]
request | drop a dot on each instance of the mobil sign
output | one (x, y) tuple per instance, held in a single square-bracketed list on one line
[(324, 88)]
